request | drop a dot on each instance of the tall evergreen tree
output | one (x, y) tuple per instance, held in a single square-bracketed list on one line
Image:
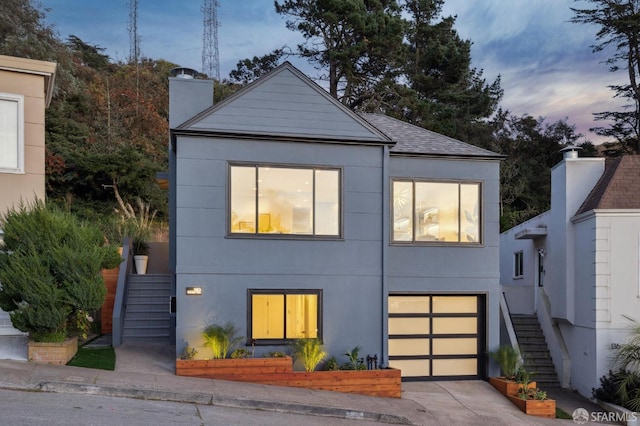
[(358, 43), (450, 94), (619, 22)]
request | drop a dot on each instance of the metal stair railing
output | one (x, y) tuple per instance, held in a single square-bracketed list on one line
[(120, 301)]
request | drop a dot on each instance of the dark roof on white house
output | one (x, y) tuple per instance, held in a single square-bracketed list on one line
[(618, 187), (411, 139)]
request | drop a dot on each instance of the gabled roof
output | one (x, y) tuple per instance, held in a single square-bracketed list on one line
[(410, 139), (285, 103), (618, 187)]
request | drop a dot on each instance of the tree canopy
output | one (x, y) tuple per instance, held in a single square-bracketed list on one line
[(107, 123), (619, 28)]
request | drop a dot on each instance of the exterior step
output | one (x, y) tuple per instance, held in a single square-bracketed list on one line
[(147, 317), (535, 352)]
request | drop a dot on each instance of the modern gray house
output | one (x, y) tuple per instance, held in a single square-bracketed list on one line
[(294, 217)]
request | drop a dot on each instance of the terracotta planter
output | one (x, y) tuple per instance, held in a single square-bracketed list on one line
[(279, 371), (53, 353), (535, 407), (506, 386)]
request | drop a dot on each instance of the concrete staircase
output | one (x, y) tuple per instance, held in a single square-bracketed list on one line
[(534, 350), (146, 317)]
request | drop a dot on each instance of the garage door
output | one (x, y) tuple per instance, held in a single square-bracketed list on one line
[(437, 336)]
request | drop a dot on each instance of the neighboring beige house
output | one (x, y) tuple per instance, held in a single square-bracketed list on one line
[(26, 87)]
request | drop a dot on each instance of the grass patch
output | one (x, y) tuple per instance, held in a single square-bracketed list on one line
[(99, 358), (561, 414)]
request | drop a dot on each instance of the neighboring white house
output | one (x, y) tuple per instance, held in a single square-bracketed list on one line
[(577, 265)]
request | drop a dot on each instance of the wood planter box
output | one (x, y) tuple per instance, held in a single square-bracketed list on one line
[(535, 407), (279, 372), (110, 277), (214, 368), (508, 387), (53, 353)]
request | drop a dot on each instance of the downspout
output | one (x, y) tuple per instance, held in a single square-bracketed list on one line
[(384, 358)]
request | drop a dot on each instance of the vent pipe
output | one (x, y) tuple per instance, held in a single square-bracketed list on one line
[(571, 151), (182, 72)]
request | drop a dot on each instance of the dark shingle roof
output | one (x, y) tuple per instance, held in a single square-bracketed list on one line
[(410, 139), (618, 187)]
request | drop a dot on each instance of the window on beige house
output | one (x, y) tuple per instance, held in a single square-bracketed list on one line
[(11, 133)]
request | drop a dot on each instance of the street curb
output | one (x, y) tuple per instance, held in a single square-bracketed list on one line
[(223, 401)]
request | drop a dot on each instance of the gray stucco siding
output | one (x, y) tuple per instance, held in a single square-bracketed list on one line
[(279, 152), (229, 256), (283, 104), (346, 321), (200, 222), (363, 202), (191, 196)]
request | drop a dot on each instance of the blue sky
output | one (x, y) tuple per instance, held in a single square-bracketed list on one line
[(545, 62)]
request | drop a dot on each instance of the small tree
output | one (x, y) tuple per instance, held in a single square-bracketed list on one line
[(50, 270)]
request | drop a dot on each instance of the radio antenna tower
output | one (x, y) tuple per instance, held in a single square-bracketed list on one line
[(210, 59), (134, 39)]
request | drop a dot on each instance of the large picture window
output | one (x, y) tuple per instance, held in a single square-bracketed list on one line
[(284, 200), (428, 211), (11, 133), (285, 314)]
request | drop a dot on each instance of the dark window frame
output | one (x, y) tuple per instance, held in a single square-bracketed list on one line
[(284, 292), (258, 235), (518, 264), (414, 241)]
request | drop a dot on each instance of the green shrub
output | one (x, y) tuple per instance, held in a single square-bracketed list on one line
[(354, 361), (241, 353), (221, 339), (188, 353), (309, 352), (50, 270), (508, 359), (331, 364)]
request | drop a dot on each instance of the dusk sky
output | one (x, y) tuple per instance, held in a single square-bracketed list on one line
[(546, 63)]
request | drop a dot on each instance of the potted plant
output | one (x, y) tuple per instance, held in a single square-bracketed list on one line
[(50, 269), (510, 362), (140, 254)]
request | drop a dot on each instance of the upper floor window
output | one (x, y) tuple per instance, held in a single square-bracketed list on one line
[(432, 211), (11, 133), (284, 200), (518, 264)]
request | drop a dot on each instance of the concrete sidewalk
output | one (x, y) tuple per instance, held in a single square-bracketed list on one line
[(146, 371)]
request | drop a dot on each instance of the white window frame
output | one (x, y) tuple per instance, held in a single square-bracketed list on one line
[(19, 101), (518, 264)]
